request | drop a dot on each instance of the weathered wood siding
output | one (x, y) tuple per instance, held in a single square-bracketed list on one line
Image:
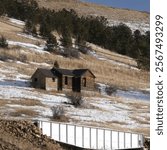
[(90, 81), (38, 80), (51, 84), (69, 82)]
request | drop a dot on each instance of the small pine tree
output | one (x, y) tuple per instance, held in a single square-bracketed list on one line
[(66, 39), (56, 65), (30, 28), (51, 43), (3, 42)]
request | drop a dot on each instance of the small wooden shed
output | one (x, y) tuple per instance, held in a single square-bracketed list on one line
[(64, 79)]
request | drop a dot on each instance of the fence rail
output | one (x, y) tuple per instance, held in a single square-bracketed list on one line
[(91, 137)]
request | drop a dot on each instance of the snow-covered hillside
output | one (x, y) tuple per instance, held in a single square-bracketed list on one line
[(118, 111), (125, 110), (142, 26)]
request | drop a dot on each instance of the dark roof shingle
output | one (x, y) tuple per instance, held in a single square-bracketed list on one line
[(46, 72), (74, 73)]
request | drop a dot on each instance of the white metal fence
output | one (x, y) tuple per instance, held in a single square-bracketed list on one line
[(91, 137)]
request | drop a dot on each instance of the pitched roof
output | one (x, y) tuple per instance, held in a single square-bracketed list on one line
[(55, 72), (64, 71), (74, 73), (46, 72), (79, 72)]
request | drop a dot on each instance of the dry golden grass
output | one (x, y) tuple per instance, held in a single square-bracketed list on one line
[(84, 8), (10, 31), (136, 106), (140, 120), (112, 55), (104, 71), (21, 111), (27, 102), (3, 102), (117, 122), (144, 131), (63, 118)]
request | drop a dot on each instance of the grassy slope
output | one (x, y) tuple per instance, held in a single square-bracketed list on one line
[(105, 71), (84, 8)]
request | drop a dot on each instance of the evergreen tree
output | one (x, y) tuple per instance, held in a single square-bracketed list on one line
[(51, 43), (30, 28), (3, 42), (56, 65), (122, 39), (66, 39)]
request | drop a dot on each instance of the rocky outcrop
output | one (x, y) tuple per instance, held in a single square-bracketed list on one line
[(24, 135)]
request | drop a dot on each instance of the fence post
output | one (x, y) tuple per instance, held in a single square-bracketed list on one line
[(124, 140), (118, 139), (90, 137), (138, 139), (82, 136), (42, 126), (59, 132), (51, 129), (131, 140), (66, 133), (111, 138), (96, 138), (75, 135), (104, 139)]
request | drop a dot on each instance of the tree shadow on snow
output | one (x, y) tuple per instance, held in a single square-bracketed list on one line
[(15, 83)]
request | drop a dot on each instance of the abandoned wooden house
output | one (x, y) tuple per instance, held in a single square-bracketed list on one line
[(63, 79)]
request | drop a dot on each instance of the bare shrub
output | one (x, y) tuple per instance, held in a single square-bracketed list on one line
[(110, 90), (58, 112), (23, 58), (75, 99), (83, 49), (70, 52)]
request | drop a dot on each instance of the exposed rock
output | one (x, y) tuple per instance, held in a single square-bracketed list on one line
[(23, 135)]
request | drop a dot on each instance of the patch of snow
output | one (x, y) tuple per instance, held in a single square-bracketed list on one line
[(28, 36), (137, 95), (102, 88), (41, 64), (142, 26), (16, 21), (15, 83), (29, 46), (19, 62), (94, 54)]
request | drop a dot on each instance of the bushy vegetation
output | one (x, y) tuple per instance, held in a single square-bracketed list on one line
[(110, 90), (75, 99), (92, 29), (3, 42), (58, 112)]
